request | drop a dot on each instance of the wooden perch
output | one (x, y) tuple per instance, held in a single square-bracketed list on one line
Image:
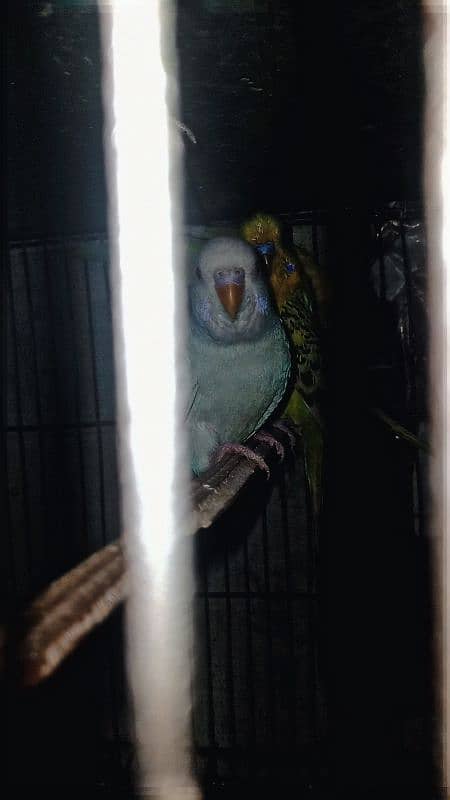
[(74, 605), (218, 488)]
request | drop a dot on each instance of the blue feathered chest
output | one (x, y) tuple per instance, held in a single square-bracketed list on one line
[(237, 387)]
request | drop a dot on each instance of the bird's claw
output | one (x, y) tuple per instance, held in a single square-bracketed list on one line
[(282, 426), (267, 438), (210, 488), (241, 449)]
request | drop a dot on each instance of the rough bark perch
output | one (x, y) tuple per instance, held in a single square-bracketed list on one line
[(72, 606), (62, 615)]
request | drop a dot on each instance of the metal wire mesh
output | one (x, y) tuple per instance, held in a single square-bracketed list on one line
[(260, 706), (258, 695), (60, 409)]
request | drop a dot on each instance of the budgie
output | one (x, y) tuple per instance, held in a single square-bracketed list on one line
[(295, 299), (264, 231), (239, 354), (300, 291)]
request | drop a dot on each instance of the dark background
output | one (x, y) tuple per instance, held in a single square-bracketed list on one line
[(328, 95), (295, 106)]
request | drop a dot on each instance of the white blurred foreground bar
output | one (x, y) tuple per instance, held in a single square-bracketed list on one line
[(437, 204), (143, 170)]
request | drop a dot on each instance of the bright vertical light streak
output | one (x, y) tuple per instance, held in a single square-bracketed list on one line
[(148, 318), (437, 201), (445, 188)]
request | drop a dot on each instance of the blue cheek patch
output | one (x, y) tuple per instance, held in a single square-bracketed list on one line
[(290, 268), (265, 249), (204, 310), (262, 304)]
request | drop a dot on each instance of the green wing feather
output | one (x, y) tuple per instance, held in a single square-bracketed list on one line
[(298, 315), (301, 321)]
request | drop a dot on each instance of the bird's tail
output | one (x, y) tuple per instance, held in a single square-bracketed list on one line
[(400, 431), (313, 451), (311, 430)]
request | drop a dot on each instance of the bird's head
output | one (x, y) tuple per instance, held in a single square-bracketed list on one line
[(263, 232), (228, 295)]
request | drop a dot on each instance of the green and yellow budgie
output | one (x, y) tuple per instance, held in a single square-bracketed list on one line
[(298, 305), (302, 292)]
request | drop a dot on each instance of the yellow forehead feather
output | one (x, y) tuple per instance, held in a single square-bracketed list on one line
[(261, 228)]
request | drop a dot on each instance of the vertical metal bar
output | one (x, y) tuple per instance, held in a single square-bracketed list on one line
[(416, 474), (269, 648), (96, 401), (411, 365), (229, 667), (382, 271), (287, 561), (311, 583), (212, 755), (250, 664), (110, 660), (26, 493), (193, 673), (6, 498), (77, 397), (105, 265), (105, 270), (58, 428), (312, 538), (42, 464), (11, 557), (51, 307)]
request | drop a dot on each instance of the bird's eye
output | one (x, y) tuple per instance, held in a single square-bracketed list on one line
[(290, 268), (266, 248), (238, 272), (219, 273)]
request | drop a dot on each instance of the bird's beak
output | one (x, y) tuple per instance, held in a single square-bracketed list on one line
[(230, 295), (266, 251)]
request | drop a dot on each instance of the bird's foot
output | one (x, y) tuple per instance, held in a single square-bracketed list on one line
[(241, 449), (267, 438), (283, 426)]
